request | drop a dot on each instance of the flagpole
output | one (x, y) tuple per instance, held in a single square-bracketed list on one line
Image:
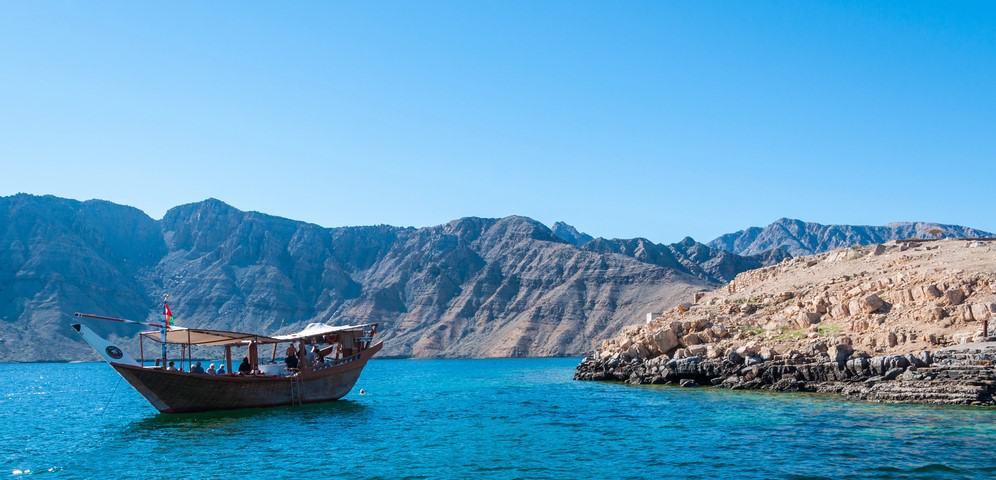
[(162, 329)]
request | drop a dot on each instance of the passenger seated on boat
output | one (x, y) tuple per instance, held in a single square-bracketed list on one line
[(221, 369), (291, 358), (211, 370), (244, 367), (171, 367), (197, 368), (158, 365), (316, 356)]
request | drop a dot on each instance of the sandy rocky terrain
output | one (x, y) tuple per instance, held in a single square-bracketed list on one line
[(895, 322)]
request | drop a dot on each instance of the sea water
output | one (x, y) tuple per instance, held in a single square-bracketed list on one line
[(514, 418)]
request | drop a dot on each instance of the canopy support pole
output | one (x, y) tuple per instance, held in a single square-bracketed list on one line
[(228, 359), (189, 366)]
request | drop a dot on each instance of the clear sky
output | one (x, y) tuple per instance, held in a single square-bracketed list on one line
[(657, 119)]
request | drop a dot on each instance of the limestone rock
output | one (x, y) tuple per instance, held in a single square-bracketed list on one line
[(871, 303), (666, 340), (954, 296), (804, 319)]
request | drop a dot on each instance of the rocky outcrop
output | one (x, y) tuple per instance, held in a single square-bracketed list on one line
[(894, 322), (958, 375)]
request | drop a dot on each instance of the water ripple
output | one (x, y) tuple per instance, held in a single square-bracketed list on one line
[(500, 419)]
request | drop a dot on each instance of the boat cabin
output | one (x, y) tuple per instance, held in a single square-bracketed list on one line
[(317, 347)]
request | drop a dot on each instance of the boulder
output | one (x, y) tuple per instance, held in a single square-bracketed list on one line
[(665, 340), (767, 353), (753, 360), (691, 339), (857, 365), (954, 296), (804, 319), (980, 312), (747, 350), (735, 358), (840, 353), (698, 350), (965, 313), (719, 331), (871, 303)]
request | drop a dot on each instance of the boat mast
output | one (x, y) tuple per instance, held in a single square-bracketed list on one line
[(162, 331)]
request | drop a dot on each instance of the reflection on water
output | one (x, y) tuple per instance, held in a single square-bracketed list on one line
[(310, 412), (521, 418)]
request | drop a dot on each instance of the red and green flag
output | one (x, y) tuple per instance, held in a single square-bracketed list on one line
[(168, 314)]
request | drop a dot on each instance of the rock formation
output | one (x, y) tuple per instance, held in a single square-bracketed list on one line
[(901, 321)]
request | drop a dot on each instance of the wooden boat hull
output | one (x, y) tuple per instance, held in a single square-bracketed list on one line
[(178, 392)]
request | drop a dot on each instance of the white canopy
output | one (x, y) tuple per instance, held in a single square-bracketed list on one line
[(199, 336), (316, 329)]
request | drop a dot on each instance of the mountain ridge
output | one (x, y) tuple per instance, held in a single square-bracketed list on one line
[(806, 238), (471, 287)]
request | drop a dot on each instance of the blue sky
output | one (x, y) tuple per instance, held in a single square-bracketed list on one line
[(655, 119)]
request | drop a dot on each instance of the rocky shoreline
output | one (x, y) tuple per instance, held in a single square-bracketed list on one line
[(898, 322), (954, 376)]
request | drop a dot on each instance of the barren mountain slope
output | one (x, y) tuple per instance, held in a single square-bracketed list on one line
[(472, 287)]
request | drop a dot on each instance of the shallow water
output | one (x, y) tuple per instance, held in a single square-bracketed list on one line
[(515, 418)]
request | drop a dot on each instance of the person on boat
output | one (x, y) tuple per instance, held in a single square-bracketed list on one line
[(158, 365), (197, 368), (221, 369), (309, 356), (245, 368), (291, 358), (317, 358), (171, 367), (211, 370)]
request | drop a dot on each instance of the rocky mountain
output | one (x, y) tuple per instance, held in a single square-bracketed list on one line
[(471, 287), (804, 238), (688, 256)]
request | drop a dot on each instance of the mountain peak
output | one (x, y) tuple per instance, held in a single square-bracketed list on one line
[(570, 234)]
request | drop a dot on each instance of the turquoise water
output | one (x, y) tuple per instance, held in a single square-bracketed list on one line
[(517, 418)]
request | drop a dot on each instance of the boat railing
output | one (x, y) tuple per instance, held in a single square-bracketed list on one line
[(338, 362)]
